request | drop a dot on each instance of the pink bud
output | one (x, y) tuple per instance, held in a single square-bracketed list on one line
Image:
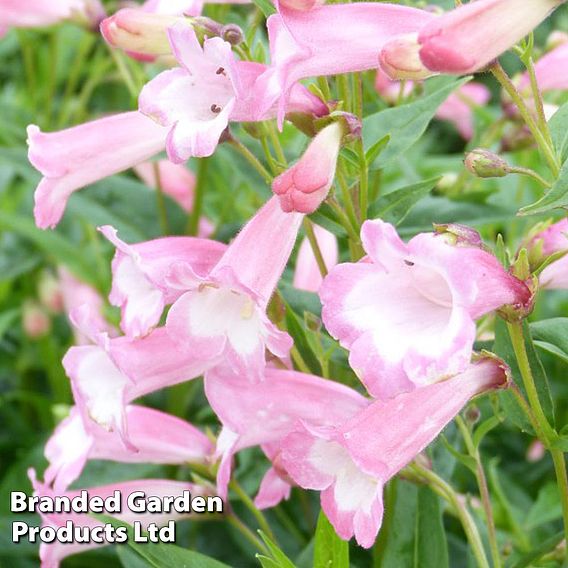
[(35, 321), (306, 184)]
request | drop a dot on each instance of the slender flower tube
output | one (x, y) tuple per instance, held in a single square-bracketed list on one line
[(81, 155), (158, 437), (305, 185), (111, 373), (52, 554), (467, 39), (139, 275), (330, 40), (38, 13), (553, 240), (265, 413), (351, 463), (407, 312), (222, 316), (197, 100), (307, 275)]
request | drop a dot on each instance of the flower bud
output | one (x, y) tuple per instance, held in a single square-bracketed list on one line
[(521, 270), (472, 414), (143, 35), (486, 164), (460, 235), (400, 59), (50, 293), (35, 321), (306, 184), (232, 34)]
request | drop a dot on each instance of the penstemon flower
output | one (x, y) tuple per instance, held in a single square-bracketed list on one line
[(407, 311)]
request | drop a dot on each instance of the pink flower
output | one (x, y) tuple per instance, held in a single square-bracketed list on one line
[(222, 316), (552, 240), (389, 89), (305, 185), (400, 59), (329, 40), (263, 414), (75, 294), (39, 13), (139, 283), (158, 438), (407, 312), (35, 320), (302, 5), (458, 107), (178, 182), (307, 275), (111, 373), (197, 100), (81, 155), (52, 554), (467, 39), (351, 462)]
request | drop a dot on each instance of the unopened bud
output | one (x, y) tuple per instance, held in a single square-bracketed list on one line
[(400, 59), (229, 32), (35, 321), (486, 164), (143, 35), (50, 294), (520, 269), (473, 414), (447, 182), (232, 33)]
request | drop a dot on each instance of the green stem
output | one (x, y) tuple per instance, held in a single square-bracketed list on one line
[(195, 215), (561, 476), (276, 143), (483, 489), (530, 173), (540, 138), (347, 199), (309, 228), (160, 201), (448, 493), (247, 533), (248, 503), (29, 65), (251, 159)]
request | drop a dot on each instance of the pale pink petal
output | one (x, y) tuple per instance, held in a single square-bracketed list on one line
[(273, 489), (307, 275)]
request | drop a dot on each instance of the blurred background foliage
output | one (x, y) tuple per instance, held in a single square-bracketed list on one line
[(63, 76)]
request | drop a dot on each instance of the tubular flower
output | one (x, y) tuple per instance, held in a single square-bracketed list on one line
[(197, 100), (351, 463), (330, 40), (158, 437), (222, 316), (52, 554), (38, 13), (305, 185), (407, 312), (467, 39), (111, 373), (139, 283), (307, 275), (265, 413), (81, 155)]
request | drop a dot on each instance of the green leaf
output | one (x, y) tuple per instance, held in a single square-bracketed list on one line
[(405, 124), (373, 152), (538, 552), (558, 125), (330, 551), (326, 218), (552, 335), (395, 206), (278, 557), (556, 197), (160, 555), (416, 536), (265, 6), (547, 507), (53, 244), (7, 318), (484, 428), (464, 459), (299, 333)]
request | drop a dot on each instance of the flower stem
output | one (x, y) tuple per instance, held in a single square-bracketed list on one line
[(447, 492), (483, 489), (247, 533), (309, 228), (546, 431), (195, 215), (249, 504), (540, 138), (251, 159), (531, 173)]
